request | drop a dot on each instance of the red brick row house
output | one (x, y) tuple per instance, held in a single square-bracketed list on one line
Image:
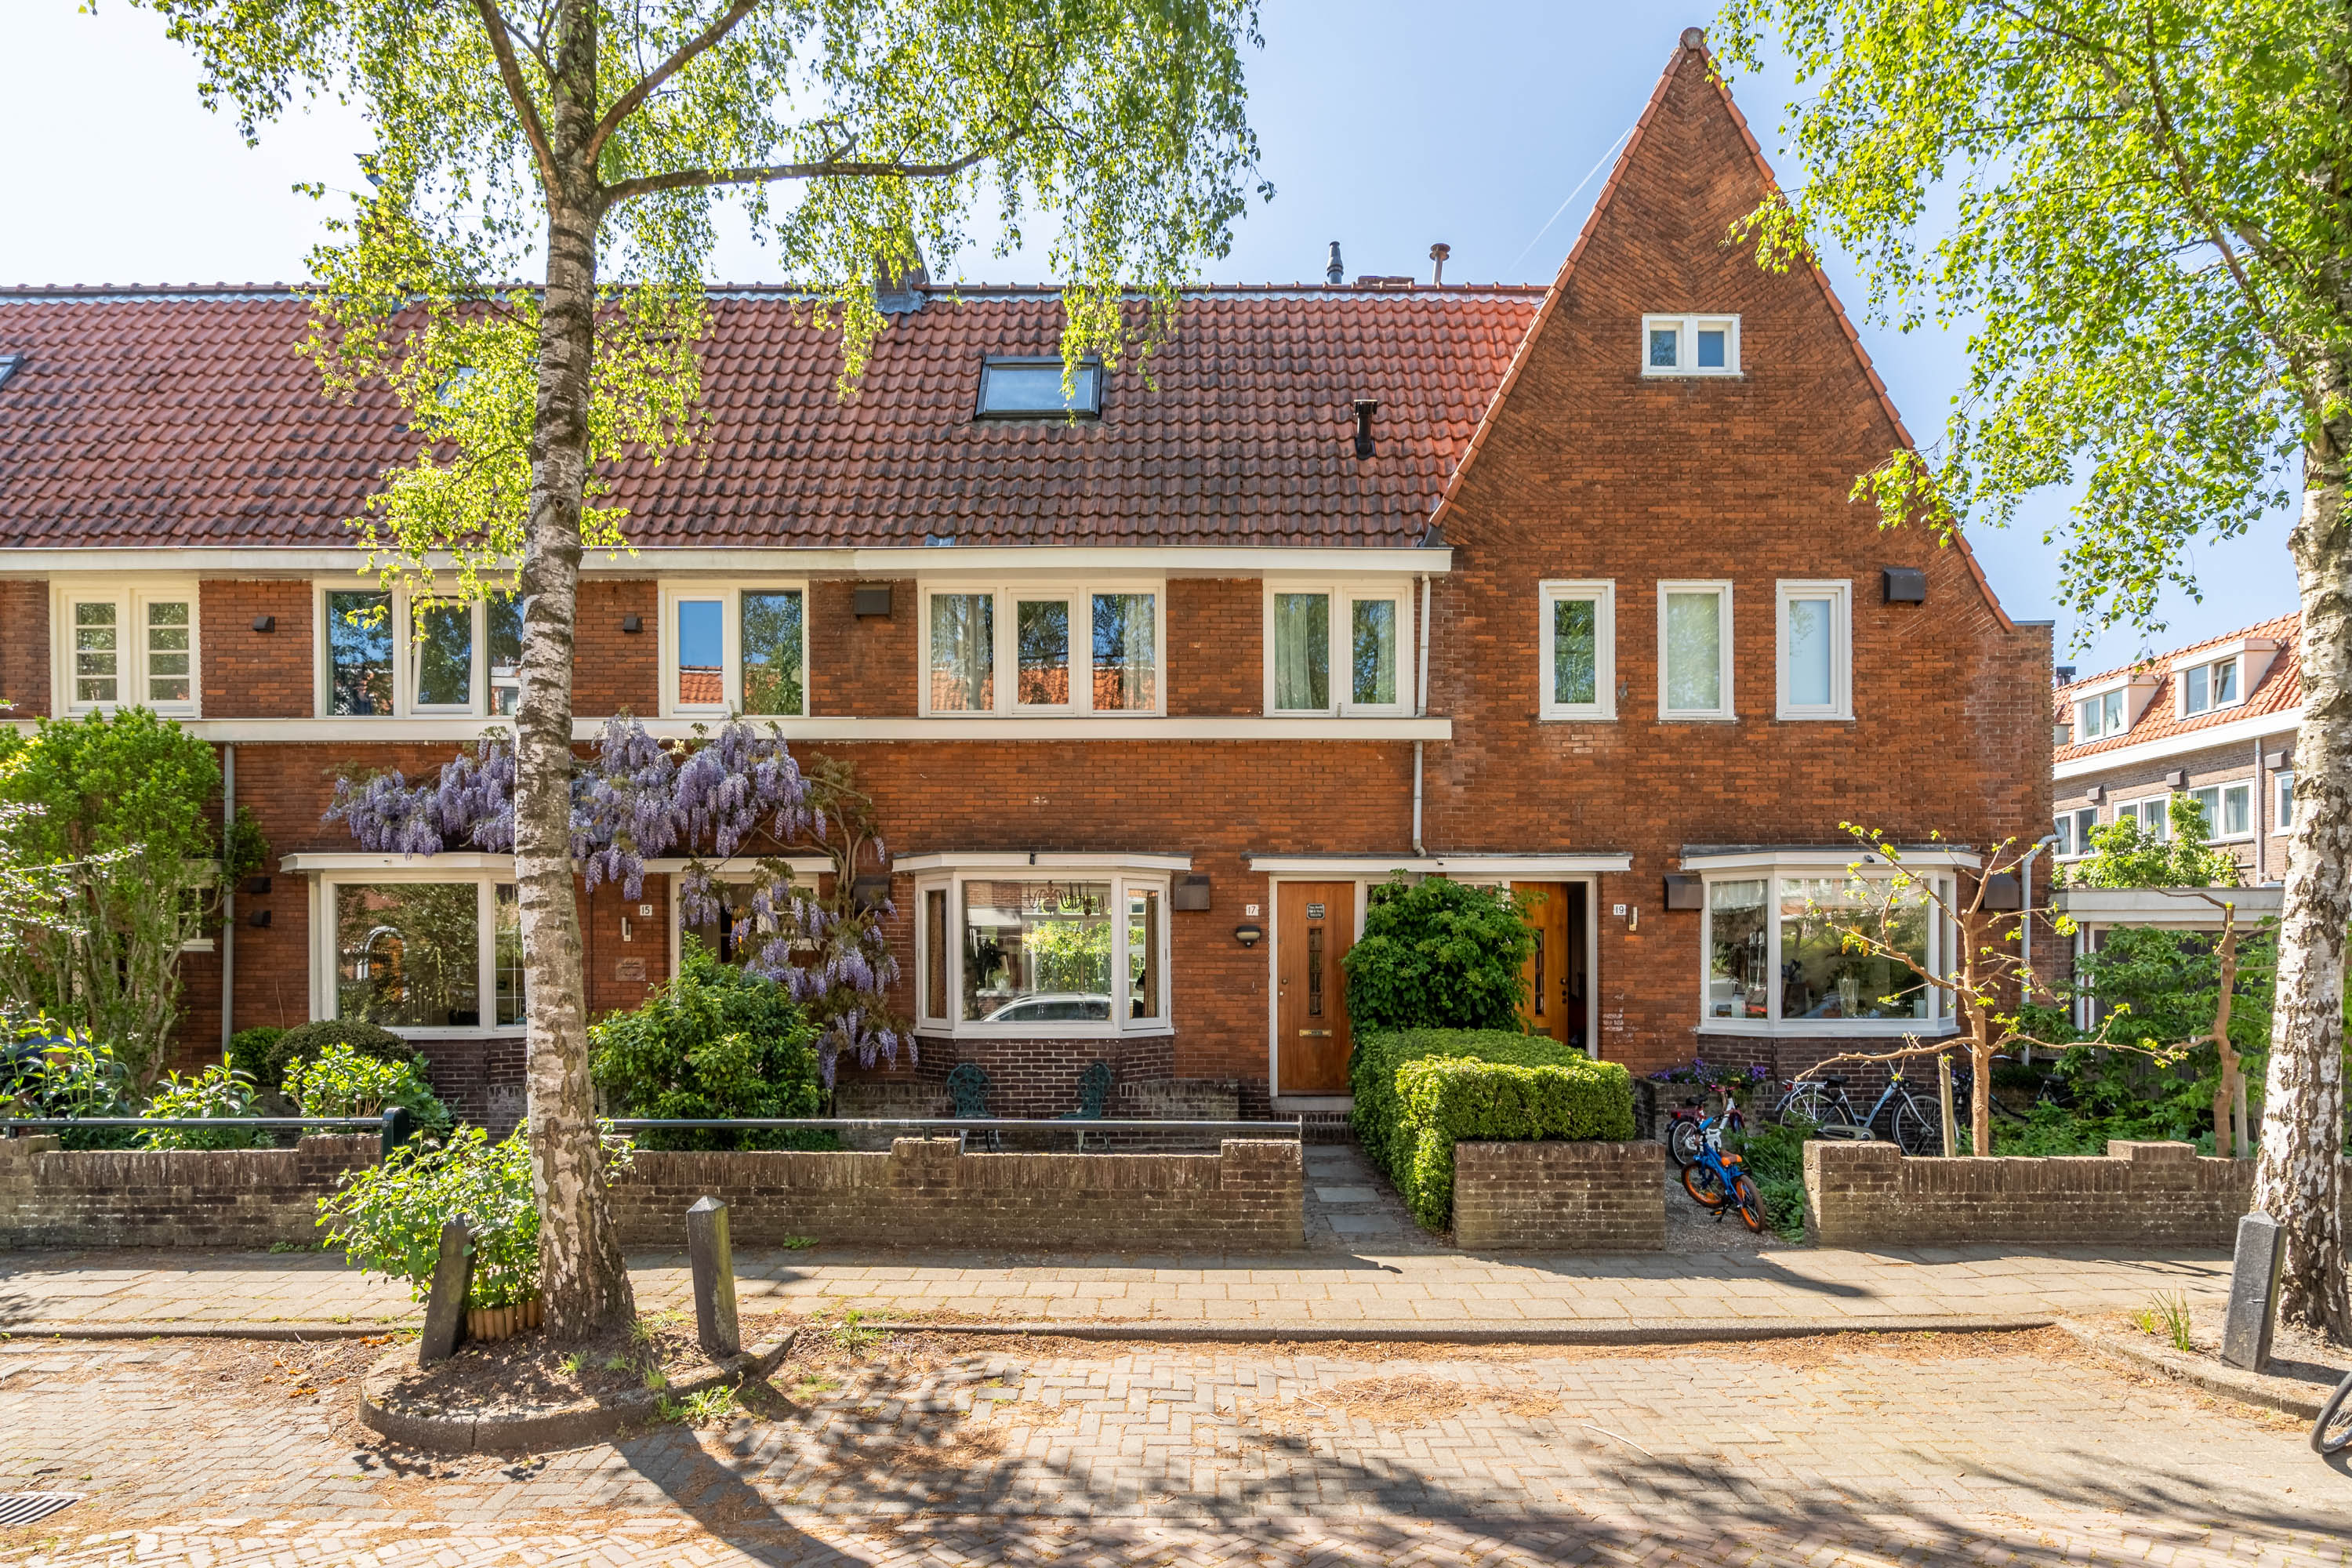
[(1557, 587)]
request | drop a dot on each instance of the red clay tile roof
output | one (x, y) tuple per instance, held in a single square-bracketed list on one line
[(2280, 690), (188, 417)]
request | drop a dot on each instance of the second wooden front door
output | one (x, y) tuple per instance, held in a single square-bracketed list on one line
[(1315, 923), (1552, 993)]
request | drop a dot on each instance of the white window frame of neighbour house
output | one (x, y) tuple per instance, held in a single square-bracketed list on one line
[(2282, 801), (1005, 599), (1776, 871), (134, 659), (1839, 593), (2073, 827), (2098, 702), (401, 613), (1601, 595), (2195, 684), (728, 596), (485, 873), (1339, 691), (2215, 799), (2141, 808), (1686, 329), (939, 1016), (1726, 707)]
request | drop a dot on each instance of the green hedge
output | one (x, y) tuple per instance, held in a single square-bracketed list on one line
[(1421, 1091)]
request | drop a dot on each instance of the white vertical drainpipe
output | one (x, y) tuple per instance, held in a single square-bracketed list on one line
[(1420, 705), (2255, 811), (228, 900)]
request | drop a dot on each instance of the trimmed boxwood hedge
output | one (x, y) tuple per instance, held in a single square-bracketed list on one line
[(1418, 1092)]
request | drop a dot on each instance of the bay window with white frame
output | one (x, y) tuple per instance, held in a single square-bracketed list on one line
[(1043, 651), (384, 652), (1577, 633), (424, 951), (1337, 649), (1024, 949), (127, 643), (735, 648), (1774, 959), (1814, 631), (1695, 662)]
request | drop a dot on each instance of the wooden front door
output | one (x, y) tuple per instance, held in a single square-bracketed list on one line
[(1548, 1008), (1315, 923)]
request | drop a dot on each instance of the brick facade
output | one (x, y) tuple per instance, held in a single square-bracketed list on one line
[(249, 1198), (1561, 1197), (25, 648)]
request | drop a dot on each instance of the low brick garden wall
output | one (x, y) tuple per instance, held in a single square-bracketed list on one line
[(2154, 1195), (1563, 1196), (1250, 1197), (251, 1198)]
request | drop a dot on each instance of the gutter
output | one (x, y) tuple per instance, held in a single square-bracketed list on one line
[(1420, 707)]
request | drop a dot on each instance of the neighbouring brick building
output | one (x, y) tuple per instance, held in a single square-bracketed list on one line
[(1558, 587)]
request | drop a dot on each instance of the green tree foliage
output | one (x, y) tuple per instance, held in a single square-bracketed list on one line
[(2126, 855), (713, 1041), (1439, 954), (120, 803)]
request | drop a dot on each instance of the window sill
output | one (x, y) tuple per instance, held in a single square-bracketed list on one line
[(938, 1031), (1809, 1028), (1814, 718), (465, 1032), (1698, 718), (1576, 718), (1679, 374)]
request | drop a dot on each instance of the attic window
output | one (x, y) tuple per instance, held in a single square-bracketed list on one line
[(1033, 389), (1690, 345), (9, 365)]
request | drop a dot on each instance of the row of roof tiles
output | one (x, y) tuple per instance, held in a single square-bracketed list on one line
[(2280, 690)]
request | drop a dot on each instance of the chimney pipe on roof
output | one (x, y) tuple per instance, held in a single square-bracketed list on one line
[(1333, 273), (1365, 408), (1438, 253)]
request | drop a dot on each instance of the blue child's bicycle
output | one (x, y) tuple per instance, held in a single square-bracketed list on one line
[(1717, 1181)]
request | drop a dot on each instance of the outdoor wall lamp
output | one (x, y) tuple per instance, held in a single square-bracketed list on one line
[(1249, 935)]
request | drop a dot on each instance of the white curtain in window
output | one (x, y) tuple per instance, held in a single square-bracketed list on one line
[(963, 653), (1809, 653), (1694, 652), (1124, 659), (1302, 651)]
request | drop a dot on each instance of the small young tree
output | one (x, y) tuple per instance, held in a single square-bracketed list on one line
[(1439, 954)]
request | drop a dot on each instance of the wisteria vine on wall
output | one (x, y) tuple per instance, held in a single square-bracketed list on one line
[(634, 798)]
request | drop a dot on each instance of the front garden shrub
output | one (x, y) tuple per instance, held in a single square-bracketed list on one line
[(1439, 954), (1775, 1156), (713, 1041), (59, 1072), (1449, 1098), (249, 1053), (341, 1082), (387, 1218), (308, 1041), (218, 1090), (1379, 1115)]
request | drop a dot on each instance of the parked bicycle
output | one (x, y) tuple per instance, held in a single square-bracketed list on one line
[(1717, 1181), (2332, 1433), (1687, 1126), (1914, 1125)]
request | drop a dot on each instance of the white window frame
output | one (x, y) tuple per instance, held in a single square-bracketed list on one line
[(2282, 802), (1772, 873), (1006, 647), (730, 594), (2221, 833), (1686, 329), (1344, 597), (130, 597), (2138, 806), (327, 953), (403, 680), (950, 1023), (1728, 710), (2078, 830), (1602, 594), (1840, 593)]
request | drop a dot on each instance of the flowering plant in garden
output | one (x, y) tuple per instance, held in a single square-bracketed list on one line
[(709, 798), (1699, 1072)]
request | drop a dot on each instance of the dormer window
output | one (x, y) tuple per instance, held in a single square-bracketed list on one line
[(2103, 715), (1034, 389), (2114, 707), (1690, 345), (2205, 687), (2222, 676)]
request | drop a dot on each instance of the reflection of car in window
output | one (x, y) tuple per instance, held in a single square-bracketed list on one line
[(1054, 1007)]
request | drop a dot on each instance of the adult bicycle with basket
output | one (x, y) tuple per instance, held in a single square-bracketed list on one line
[(1717, 1181)]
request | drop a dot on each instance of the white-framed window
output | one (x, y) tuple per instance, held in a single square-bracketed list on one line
[(381, 653), (735, 648), (1695, 650), (126, 643), (423, 949), (2205, 687), (1813, 626), (1577, 676), (1690, 345), (2073, 828), (1337, 649), (1031, 951), (2229, 809), (2283, 816), (1773, 958), (1045, 651), (2101, 715), (2153, 813)]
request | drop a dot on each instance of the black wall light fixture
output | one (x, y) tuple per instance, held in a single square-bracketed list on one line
[(1249, 935)]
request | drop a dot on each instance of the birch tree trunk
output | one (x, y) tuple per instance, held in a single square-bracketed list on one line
[(584, 1280), (2298, 1180)]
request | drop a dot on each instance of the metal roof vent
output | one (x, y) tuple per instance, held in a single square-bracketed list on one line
[(1333, 272)]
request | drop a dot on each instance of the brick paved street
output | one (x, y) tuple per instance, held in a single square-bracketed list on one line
[(2013, 1448)]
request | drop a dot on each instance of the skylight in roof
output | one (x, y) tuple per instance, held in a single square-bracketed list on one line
[(9, 365), (1032, 389)]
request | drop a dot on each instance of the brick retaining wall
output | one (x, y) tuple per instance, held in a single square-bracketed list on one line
[(1248, 1197), (2156, 1194), (170, 1198), (1564, 1196)]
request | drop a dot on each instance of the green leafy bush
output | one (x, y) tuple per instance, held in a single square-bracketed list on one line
[(388, 1218), (58, 1072), (1774, 1157), (308, 1041), (1450, 1099), (1379, 1114), (216, 1091), (1439, 954), (341, 1082), (713, 1041), (248, 1053)]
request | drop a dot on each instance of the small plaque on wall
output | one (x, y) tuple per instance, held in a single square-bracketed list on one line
[(632, 969)]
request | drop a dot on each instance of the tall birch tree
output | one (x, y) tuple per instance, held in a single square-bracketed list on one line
[(587, 145), (2143, 209)]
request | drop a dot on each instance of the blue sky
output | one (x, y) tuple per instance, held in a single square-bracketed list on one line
[(1386, 125)]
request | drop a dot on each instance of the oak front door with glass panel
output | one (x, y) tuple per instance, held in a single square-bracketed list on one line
[(1315, 924), (1553, 999)]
